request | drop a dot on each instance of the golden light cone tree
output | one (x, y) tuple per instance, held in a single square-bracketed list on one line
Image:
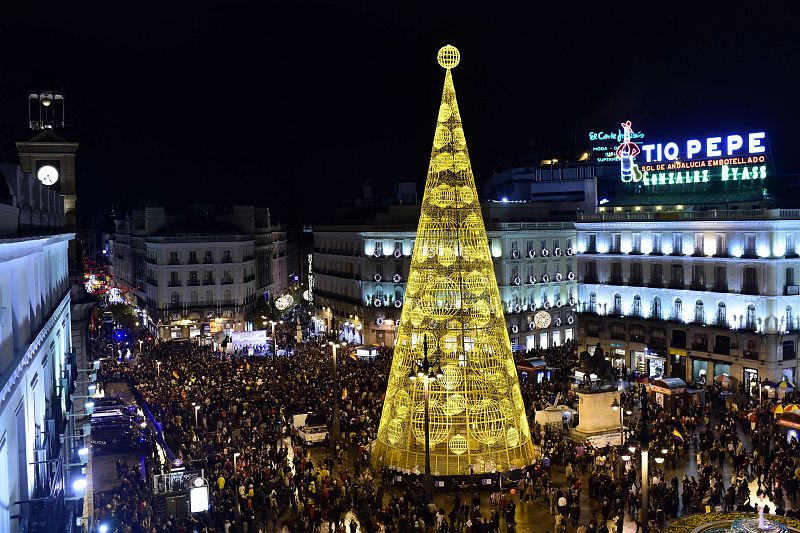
[(477, 417)]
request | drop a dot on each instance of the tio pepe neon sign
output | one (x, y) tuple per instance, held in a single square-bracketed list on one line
[(709, 148)]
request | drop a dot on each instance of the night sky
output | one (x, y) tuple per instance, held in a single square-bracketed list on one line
[(293, 105)]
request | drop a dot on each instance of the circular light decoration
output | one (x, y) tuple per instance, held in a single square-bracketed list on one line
[(531, 325), (557, 251), (570, 251), (379, 320), (47, 174), (378, 252), (398, 253), (394, 431), (517, 281), (570, 319), (531, 253), (450, 380), (557, 321), (517, 308), (545, 252), (532, 280), (571, 276), (283, 303), (438, 422), (378, 277), (542, 319), (545, 278), (487, 421), (397, 278), (514, 328), (559, 277), (398, 303), (377, 302), (458, 444), (515, 253), (571, 301), (448, 56), (114, 296), (559, 302)]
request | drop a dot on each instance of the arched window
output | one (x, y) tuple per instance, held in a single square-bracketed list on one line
[(750, 319), (636, 310), (789, 319), (193, 297), (699, 312), (722, 315), (617, 309), (175, 299), (592, 302), (677, 310), (209, 297), (655, 311), (227, 296)]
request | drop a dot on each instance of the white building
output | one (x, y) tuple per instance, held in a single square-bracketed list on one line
[(35, 338), (360, 272), (201, 273), (693, 294)]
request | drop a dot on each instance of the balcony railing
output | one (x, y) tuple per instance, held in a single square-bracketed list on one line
[(700, 346), (193, 283), (749, 289), (209, 281), (228, 281), (174, 283)]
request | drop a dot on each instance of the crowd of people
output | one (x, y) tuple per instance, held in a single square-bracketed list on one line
[(231, 416)]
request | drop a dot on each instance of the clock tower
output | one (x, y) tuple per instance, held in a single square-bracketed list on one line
[(48, 156)]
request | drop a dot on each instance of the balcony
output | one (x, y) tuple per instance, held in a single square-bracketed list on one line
[(616, 311), (658, 342), (698, 286), (656, 283), (227, 259), (153, 282), (677, 284), (722, 349), (719, 287), (193, 283), (590, 278), (615, 280), (617, 335), (151, 261), (249, 258), (208, 261), (227, 281), (174, 283), (248, 279), (635, 282), (209, 281), (174, 262), (193, 261), (589, 309), (750, 253), (700, 346), (752, 356)]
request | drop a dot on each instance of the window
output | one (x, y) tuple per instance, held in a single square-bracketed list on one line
[(616, 273), (227, 296), (721, 318), (226, 256), (514, 246), (677, 309), (699, 342), (636, 243), (590, 276), (656, 275), (636, 310), (209, 297), (656, 243), (175, 298), (556, 244), (591, 246), (699, 312), (173, 279), (569, 244), (790, 276), (378, 248), (193, 257), (750, 245), (721, 278), (676, 280), (617, 331), (193, 297), (529, 246), (636, 274), (616, 239), (698, 277), (722, 245), (750, 285), (208, 257), (655, 309), (789, 319), (227, 276), (617, 309), (193, 277), (592, 302), (173, 258), (790, 250), (699, 243), (789, 353), (677, 243), (750, 318)]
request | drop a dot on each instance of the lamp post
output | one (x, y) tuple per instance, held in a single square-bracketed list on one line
[(616, 406), (335, 435), (196, 409), (158, 369), (426, 374), (645, 440)]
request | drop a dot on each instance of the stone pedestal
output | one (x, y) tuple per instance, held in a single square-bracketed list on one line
[(597, 421)]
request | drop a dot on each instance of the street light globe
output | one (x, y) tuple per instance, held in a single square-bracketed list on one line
[(625, 457), (79, 484), (103, 528), (659, 460), (664, 451)]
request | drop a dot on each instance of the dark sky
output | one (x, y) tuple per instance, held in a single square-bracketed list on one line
[(294, 104)]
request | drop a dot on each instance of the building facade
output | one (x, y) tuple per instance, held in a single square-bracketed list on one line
[(693, 295), (359, 274), (35, 341), (198, 274)]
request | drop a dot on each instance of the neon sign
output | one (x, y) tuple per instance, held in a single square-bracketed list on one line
[(709, 148), (627, 151), (603, 144)]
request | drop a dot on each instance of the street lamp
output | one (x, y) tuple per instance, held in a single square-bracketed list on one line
[(335, 435), (616, 406), (426, 374), (196, 409), (158, 369), (645, 441)]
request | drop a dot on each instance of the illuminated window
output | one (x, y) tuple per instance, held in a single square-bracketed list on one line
[(790, 326), (699, 243), (656, 243), (617, 309), (677, 243), (677, 309), (616, 240), (722, 315), (655, 309), (636, 243), (750, 318), (636, 310), (699, 312)]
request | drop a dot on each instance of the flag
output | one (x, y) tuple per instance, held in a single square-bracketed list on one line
[(677, 435), (344, 394)]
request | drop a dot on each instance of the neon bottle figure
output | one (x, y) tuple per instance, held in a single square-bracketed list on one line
[(627, 151)]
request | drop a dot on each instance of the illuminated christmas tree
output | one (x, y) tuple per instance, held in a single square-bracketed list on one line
[(476, 415)]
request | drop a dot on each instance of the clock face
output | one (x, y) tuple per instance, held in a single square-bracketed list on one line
[(542, 319), (47, 174)]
